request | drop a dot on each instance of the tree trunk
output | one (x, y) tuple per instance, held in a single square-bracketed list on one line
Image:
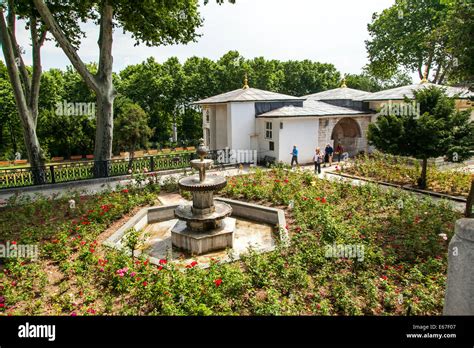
[(103, 135), (34, 152), (105, 93), (101, 83), (25, 92), (422, 179)]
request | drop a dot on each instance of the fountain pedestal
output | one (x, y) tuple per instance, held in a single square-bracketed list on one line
[(205, 225), (219, 238)]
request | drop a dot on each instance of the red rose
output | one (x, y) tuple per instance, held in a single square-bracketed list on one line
[(162, 262), (125, 191), (145, 283), (192, 264), (323, 200), (218, 282)]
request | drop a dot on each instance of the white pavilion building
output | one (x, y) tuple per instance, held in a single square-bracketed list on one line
[(272, 123)]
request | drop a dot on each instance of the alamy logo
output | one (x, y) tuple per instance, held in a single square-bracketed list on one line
[(14, 250), (400, 109), (349, 251), (37, 331), (236, 156), (75, 109)]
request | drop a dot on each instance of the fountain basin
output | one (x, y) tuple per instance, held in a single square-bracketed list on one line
[(257, 227), (211, 183)]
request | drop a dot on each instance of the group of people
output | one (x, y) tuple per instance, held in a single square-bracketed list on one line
[(320, 157)]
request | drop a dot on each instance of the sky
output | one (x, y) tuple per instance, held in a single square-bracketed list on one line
[(327, 31)]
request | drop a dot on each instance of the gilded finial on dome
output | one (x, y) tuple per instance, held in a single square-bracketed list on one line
[(425, 78), (343, 83), (246, 82)]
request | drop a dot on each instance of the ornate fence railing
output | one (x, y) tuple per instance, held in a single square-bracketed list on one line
[(66, 172)]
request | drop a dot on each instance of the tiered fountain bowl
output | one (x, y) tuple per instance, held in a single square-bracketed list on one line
[(204, 225)]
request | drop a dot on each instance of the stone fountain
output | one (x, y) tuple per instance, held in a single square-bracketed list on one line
[(204, 225), (205, 229)]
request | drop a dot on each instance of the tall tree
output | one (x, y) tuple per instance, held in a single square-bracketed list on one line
[(410, 35), (459, 27), (439, 130), (153, 22), (26, 81), (25, 84)]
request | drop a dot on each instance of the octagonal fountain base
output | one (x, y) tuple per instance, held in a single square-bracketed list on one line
[(255, 227)]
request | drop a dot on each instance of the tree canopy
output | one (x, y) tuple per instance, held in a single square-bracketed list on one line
[(424, 36), (438, 130)]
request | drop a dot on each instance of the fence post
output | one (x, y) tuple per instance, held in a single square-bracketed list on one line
[(53, 175), (152, 164)]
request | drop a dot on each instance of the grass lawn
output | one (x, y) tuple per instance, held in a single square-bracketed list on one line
[(403, 269)]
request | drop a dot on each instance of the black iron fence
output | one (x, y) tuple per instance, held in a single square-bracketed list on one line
[(66, 172)]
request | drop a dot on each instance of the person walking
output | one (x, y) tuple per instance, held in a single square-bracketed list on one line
[(317, 159), (294, 156), (339, 151), (328, 151)]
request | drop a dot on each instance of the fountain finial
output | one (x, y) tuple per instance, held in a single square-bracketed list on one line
[(202, 149)]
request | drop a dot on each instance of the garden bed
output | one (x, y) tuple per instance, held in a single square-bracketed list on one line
[(403, 270), (404, 172), (402, 187)]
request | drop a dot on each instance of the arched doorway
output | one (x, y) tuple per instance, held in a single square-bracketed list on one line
[(347, 132)]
